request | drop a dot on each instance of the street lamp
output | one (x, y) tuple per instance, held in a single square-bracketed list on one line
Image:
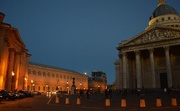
[(24, 83), (12, 80), (67, 85), (47, 87), (99, 88), (80, 85), (31, 84), (33, 87), (58, 87)]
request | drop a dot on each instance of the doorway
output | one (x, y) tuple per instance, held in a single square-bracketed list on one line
[(163, 80)]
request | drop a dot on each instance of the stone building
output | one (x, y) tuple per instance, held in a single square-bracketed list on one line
[(13, 58), (98, 81), (48, 78), (17, 73), (151, 59)]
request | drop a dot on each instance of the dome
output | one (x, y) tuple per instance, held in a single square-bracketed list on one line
[(163, 10)]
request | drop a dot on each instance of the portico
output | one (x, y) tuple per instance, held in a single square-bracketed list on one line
[(151, 59)]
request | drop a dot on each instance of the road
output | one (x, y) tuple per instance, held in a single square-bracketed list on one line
[(96, 102)]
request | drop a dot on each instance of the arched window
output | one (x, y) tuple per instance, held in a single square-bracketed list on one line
[(29, 71), (48, 74), (162, 19), (57, 75), (39, 73), (44, 74), (34, 72), (53, 75)]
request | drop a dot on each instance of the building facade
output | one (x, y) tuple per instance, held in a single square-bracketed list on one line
[(45, 78), (151, 59), (13, 58), (16, 73), (98, 81)]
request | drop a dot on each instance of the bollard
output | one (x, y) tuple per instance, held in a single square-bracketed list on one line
[(78, 101), (57, 99), (158, 102), (67, 100), (123, 102), (173, 102), (107, 103), (142, 103)]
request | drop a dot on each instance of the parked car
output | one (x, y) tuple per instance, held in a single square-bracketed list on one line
[(7, 95), (1, 98), (27, 93), (19, 95), (62, 92), (36, 93)]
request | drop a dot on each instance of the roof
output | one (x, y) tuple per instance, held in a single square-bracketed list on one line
[(163, 9), (53, 67)]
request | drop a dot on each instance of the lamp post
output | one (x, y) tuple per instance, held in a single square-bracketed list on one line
[(24, 83), (67, 86), (31, 84), (99, 88), (47, 87), (80, 85), (33, 87), (58, 87), (12, 80)]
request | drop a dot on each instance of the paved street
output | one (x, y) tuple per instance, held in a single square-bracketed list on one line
[(96, 102)]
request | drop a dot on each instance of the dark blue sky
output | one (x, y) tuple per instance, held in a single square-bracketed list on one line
[(80, 35)]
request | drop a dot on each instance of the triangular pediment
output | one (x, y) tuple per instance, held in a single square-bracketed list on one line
[(18, 37), (153, 35)]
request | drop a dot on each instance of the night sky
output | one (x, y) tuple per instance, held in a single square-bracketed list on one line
[(80, 35)]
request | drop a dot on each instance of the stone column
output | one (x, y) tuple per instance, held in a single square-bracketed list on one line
[(10, 78), (152, 68), (121, 73), (16, 69), (124, 63), (138, 70), (168, 66)]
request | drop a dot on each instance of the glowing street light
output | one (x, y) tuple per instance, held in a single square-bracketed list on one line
[(13, 73), (80, 85), (24, 83), (31, 84), (12, 79)]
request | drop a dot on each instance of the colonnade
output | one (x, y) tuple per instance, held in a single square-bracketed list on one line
[(16, 70), (125, 69)]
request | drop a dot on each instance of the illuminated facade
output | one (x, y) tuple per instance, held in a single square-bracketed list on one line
[(13, 58), (151, 59), (47, 78), (17, 73), (98, 81)]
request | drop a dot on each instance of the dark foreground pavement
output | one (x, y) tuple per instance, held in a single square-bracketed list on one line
[(96, 102)]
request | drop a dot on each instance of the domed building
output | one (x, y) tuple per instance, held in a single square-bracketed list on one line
[(151, 59)]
